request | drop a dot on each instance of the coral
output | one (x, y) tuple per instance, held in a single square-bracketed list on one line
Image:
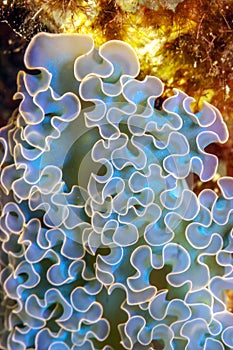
[(104, 245), (133, 5)]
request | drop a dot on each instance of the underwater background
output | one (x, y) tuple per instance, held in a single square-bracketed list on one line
[(188, 45)]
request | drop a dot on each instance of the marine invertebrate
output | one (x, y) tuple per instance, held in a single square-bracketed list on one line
[(104, 246)]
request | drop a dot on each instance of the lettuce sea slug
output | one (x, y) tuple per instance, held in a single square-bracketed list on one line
[(103, 243)]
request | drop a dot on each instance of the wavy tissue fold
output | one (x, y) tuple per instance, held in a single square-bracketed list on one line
[(103, 243)]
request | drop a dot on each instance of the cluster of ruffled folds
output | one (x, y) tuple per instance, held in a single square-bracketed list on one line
[(103, 243)]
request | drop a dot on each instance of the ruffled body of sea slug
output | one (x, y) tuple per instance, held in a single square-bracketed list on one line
[(103, 245)]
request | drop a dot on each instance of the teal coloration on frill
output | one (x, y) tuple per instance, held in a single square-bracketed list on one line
[(103, 244)]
